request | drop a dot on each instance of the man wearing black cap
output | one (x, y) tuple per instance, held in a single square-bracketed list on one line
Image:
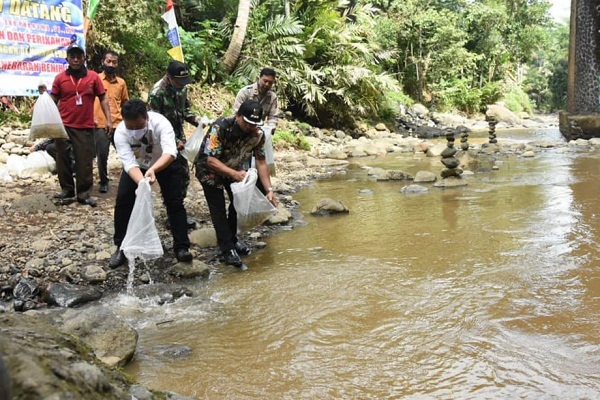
[(169, 98), (228, 143), (75, 90)]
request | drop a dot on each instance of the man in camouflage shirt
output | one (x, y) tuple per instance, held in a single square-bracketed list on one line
[(228, 143), (169, 98)]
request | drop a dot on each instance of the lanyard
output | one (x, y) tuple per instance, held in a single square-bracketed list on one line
[(76, 85)]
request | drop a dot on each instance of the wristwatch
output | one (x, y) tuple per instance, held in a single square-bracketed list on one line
[(269, 189)]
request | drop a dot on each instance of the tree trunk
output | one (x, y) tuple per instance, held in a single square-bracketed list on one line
[(234, 50)]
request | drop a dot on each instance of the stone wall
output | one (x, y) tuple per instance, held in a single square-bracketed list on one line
[(587, 57)]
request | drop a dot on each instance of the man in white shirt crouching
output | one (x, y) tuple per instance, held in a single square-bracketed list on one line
[(145, 142)]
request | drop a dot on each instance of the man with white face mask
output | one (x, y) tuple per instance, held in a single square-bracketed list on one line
[(145, 143), (117, 94)]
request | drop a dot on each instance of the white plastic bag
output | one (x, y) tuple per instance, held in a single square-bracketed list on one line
[(39, 162), (46, 121), (15, 164), (141, 239), (192, 146), (269, 152), (252, 207), (5, 176)]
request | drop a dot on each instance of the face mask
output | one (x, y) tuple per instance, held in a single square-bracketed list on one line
[(109, 69), (137, 133)]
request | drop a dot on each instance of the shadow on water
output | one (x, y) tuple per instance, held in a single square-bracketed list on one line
[(485, 291)]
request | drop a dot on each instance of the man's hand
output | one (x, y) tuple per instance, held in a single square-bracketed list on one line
[(271, 197), (111, 136), (238, 176), (180, 145), (150, 174)]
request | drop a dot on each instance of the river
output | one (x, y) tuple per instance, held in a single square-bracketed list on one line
[(487, 291)]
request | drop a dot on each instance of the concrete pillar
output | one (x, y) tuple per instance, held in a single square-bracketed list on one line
[(583, 102)]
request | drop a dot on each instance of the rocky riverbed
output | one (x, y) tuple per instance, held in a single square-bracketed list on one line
[(55, 254)]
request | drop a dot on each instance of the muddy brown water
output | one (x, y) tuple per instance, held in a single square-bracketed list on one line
[(489, 291)]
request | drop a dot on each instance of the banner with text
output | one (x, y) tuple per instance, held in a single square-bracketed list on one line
[(34, 37)]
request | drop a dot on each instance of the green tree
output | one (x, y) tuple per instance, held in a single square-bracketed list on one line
[(546, 80), (134, 29)]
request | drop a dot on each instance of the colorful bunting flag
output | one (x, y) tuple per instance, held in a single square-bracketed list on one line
[(173, 33)]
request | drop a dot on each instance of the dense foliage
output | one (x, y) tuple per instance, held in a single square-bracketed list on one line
[(342, 60)]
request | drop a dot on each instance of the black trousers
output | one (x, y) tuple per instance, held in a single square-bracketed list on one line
[(224, 221), (51, 150), (82, 143), (101, 149), (169, 180)]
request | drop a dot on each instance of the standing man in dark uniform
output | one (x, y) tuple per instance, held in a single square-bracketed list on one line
[(169, 98), (74, 90)]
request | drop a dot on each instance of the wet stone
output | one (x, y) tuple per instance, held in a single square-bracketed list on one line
[(68, 295)]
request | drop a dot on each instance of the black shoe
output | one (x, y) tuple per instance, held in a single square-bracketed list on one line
[(89, 201), (183, 255), (231, 257), (65, 194), (242, 248), (191, 224), (103, 188), (117, 259)]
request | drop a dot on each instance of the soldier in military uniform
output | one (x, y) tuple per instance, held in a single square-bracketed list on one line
[(169, 98)]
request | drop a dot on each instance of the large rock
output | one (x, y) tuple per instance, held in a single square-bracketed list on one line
[(34, 203), (502, 114), (425, 176), (112, 339), (39, 361), (283, 216), (190, 270), (68, 295), (420, 110), (43, 363), (447, 119), (329, 206), (204, 237), (395, 175)]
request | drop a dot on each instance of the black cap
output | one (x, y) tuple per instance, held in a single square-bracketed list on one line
[(180, 72), (251, 111), (75, 47)]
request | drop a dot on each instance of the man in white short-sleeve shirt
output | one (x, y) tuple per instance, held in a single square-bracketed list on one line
[(145, 143)]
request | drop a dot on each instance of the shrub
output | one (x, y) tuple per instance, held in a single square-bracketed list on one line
[(286, 139), (391, 104), (516, 100)]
